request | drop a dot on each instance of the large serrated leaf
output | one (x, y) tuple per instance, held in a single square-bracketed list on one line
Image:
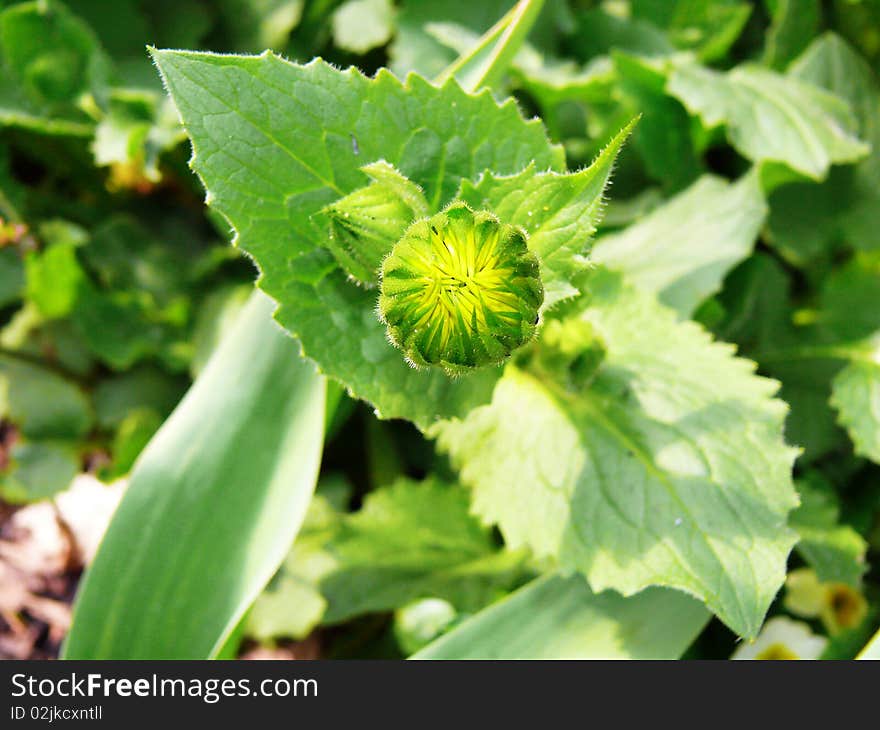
[(274, 142), (669, 470)]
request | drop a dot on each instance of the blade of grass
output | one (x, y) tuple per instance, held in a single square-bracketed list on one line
[(213, 506), (561, 618), (485, 64)]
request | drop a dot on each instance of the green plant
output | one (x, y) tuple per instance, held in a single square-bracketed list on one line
[(658, 392)]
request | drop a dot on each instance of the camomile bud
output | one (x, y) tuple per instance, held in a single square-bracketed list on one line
[(460, 290)]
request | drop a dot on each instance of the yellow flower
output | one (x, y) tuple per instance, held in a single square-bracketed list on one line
[(837, 605)]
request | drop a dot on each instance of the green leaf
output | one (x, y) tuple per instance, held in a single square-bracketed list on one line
[(848, 330), (54, 277), (269, 173), (707, 27), (552, 82), (856, 396), (834, 550), (669, 470), (759, 317), (770, 117), (361, 25), (794, 23), (560, 212), (414, 540), (560, 618), (38, 470), (598, 32), (410, 540), (663, 137), (143, 387), (11, 277), (212, 507), (41, 404), (806, 220), (683, 249)]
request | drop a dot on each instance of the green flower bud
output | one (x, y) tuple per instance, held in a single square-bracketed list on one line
[(460, 290), (365, 224)]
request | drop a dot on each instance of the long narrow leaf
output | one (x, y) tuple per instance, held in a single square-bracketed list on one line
[(485, 63), (214, 503), (560, 618)]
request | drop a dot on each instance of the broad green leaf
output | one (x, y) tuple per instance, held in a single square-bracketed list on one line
[(212, 507), (834, 550), (361, 25), (41, 403), (794, 23), (770, 117), (560, 618), (139, 388), (669, 469), (683, 249), (560, 212), (38, 470), (54, 277), (807, 220), (856, 396), (707, 27), (290, 140)]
